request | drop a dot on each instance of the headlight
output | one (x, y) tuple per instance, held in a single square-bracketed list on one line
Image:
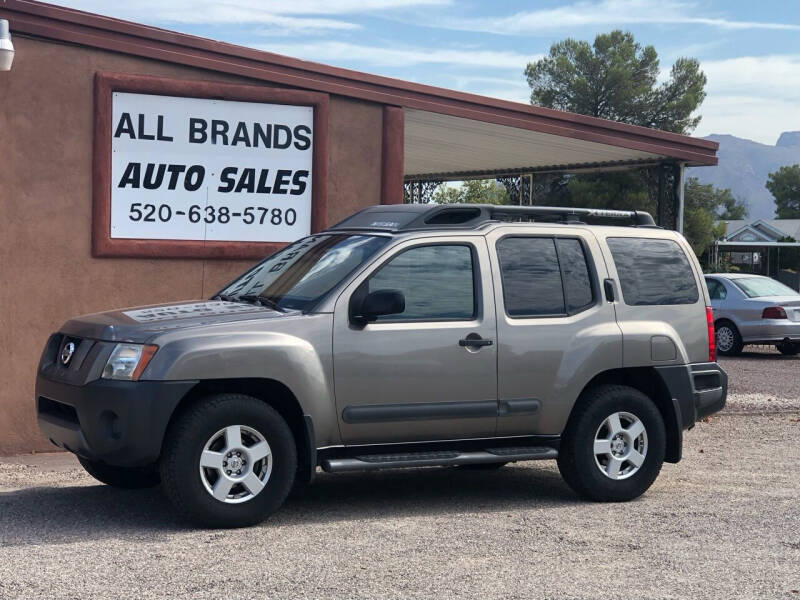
[(127, 361)]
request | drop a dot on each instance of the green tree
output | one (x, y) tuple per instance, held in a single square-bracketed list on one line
[(616, 78), (478, 191), (621, 190), (784, 185), (704, 206)]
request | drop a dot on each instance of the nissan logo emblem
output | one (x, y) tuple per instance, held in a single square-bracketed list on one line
[(66, 353)]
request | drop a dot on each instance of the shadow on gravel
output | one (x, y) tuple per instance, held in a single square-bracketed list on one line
[(76, 514)]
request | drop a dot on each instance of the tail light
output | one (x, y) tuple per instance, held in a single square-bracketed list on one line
[(712, 338), (774, 312)]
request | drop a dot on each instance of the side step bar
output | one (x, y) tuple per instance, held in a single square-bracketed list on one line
[(370, 462)]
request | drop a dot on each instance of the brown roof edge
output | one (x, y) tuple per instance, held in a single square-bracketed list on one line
[(69, 25)]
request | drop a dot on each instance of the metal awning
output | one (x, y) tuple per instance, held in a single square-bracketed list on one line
[(441, 146)]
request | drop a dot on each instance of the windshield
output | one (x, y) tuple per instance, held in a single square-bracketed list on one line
[(298, 276), (757, 287)]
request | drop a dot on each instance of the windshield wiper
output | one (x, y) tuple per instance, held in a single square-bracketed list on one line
[(262, 300), (224, 297)]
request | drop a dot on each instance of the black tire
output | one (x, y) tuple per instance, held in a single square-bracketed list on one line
[(483, 466), (184, 443), (576, 458), (130, 478), (790, 349), (736, 346)]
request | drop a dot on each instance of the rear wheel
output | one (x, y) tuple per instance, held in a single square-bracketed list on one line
[(728, 339), (613, 446), (228, 461), (131, 478), (789, 349)]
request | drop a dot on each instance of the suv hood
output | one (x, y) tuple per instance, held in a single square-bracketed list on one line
[(138, 324)]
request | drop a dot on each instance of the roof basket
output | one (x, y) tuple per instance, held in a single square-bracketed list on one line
[(408, 217), (566, 214)]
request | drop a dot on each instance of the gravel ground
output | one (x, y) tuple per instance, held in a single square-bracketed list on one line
[(723, 523), (761, 379)]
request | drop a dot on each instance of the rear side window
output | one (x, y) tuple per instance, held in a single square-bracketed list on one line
[(653, 272), (544, 276), (716, 290)]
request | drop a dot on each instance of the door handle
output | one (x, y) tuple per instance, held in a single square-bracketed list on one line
[(608, 287), (474, 342)]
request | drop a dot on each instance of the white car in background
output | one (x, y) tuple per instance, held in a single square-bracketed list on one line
[(753, 309)]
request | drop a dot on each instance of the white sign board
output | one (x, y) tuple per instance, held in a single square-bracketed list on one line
[(200, 169)]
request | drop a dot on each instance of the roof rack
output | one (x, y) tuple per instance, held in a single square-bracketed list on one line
[(411, 217)]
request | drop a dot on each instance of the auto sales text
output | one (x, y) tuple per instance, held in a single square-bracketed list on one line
[(155, 176)]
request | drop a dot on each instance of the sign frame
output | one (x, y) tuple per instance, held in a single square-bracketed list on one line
[(105, 84)]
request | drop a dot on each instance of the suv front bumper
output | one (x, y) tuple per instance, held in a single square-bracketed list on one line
[(120, 423)]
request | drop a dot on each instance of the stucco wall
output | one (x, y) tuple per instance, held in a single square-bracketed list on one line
[(47, 273)]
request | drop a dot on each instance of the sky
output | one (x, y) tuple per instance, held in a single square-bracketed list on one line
[(750, 51)]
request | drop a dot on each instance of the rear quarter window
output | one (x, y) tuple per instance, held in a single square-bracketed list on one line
[(544, 276), (653, 272)]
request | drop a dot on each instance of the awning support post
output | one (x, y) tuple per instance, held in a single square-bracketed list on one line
[(670, 196), (530, 191), (681, 187)]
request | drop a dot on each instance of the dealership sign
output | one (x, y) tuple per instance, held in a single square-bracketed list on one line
[(209, 170)]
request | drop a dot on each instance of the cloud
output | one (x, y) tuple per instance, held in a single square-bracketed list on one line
[(513, 88), (383, 56), (285, 16), (614, 13), (340, 7), (218, 15), (775, 75), (758, 119), (752, 96)]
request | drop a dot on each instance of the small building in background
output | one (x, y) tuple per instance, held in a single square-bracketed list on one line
[(764, 246)]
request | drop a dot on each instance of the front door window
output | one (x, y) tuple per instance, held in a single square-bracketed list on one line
[(436, 281)]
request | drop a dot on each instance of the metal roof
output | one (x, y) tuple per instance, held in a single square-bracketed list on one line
[(786, 227), (439, 146)]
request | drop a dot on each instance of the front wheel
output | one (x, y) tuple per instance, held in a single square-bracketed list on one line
[(789, 349), (228, 461), (613, 446)]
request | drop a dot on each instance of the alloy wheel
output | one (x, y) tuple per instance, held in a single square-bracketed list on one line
[(235, 464), (620, 445), (725, 338)]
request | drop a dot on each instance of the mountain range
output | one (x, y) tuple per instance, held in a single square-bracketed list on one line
[(744, 166)]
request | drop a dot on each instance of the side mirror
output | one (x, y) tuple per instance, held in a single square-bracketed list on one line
[(379, 303)]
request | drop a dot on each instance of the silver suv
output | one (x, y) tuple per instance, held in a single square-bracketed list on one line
[(405, 336)]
